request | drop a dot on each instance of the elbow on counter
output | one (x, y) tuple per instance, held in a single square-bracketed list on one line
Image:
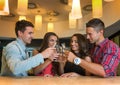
[(103, 75), (17, 73), (17, 70), (106, 75)]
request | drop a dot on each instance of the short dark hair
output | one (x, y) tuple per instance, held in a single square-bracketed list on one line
[(96, 23), (21, 26)]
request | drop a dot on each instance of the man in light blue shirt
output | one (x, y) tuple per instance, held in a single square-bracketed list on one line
[(15, 62)]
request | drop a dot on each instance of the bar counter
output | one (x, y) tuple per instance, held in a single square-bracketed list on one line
[(36, 80)]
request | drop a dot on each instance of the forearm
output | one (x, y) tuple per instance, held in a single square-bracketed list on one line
[(41, 67), (93, 68), (88, 59), (96, 69), (61, 67), (17, 66)]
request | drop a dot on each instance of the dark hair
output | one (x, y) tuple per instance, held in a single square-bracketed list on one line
[(83, 45), (21, 26), (44, 45), (45, 41), (96, 23)]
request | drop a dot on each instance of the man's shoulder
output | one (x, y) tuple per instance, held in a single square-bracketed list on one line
[(112, 44), (11, 44), (10, 47)]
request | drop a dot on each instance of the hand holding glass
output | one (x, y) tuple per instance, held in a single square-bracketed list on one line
[(63, 52)]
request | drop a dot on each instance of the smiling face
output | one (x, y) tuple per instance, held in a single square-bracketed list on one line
[(52, 41), (27, 35), (95, 30), (74, 44), (93, 35)]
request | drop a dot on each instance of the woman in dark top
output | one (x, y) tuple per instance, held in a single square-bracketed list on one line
[(79, 46)]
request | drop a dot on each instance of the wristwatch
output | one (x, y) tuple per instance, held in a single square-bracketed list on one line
[(77, 61)]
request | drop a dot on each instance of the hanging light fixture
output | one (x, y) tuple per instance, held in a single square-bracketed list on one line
[(108, 0), (50, 27), (97, 8), (22, 18), (4, 7), (76, 10), (22, 6), (72, 22), (38, 22), (70, 2)]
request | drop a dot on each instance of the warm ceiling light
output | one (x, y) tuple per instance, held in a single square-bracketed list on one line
[(76, 10), (70, 2), (22, 6), (22, 18), (97, 8), (72, 22), (4, 7), (108, 0), (2, 4), (38, 22), (50, 27)]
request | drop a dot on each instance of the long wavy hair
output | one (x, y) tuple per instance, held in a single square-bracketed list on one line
[(45, 41), (45, 45), (82, 43)]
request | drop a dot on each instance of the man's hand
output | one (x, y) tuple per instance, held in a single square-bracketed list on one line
[(54, 56), (71, 57), (48, 52)]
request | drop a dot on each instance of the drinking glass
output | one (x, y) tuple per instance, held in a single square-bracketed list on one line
[(63, 52)]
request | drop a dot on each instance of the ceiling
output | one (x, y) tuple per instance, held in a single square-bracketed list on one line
[(51, 10)]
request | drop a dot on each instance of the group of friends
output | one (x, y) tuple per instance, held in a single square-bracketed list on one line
[(100, 60)]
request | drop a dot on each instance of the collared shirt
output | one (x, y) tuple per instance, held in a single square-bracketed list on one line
[(107, 54), (15, 62)]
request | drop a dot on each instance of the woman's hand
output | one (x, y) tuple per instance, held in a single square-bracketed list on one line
[(71, 74)]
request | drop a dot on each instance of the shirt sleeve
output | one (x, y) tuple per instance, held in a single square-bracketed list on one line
[(110, 60), (19, 65)]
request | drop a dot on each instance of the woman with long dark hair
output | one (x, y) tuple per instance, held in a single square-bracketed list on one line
[(79, 46), (48, 67)]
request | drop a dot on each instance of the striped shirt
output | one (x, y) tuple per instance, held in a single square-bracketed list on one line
[(107, 54)]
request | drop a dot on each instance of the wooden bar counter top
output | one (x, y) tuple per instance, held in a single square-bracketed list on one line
[(36, 80)]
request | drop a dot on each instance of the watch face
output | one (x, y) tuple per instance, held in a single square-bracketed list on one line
[(77, 61)]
